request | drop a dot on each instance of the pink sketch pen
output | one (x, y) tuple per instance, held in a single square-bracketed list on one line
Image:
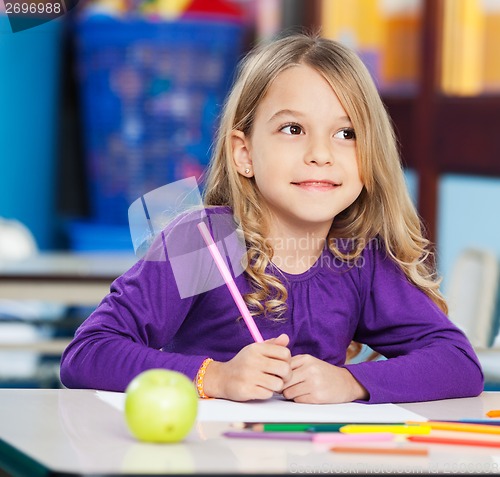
[(226, 275)]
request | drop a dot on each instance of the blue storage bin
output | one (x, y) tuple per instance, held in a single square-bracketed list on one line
[(93, 237), (151, 96)]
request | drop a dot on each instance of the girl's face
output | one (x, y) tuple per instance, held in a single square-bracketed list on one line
[(301, 152)]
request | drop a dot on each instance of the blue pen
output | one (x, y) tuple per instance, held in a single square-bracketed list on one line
[(489, 422)]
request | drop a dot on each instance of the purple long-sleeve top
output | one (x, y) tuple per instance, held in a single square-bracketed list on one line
[(144, 323)]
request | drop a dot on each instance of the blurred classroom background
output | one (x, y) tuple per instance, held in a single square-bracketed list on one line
[(116, 98)]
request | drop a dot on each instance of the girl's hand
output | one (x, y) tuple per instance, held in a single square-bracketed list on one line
[(318, 382), (256, 372)]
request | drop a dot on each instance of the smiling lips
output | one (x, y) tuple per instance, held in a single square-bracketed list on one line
[(316, 185)]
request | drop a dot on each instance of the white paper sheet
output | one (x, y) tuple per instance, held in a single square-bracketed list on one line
[(279, 410)]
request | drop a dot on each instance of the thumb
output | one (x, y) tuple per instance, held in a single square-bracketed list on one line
[(281, 340)]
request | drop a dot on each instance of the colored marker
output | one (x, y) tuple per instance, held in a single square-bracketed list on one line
[(296, 427), (493, 413), (288, 436), (453, 441), (381, 450), (488, 422), (462, 427), (394, 429), (228, 278), (324, 437), (335, 437), (302, 426)]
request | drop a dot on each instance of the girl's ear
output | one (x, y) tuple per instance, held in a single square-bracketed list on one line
[(241, 153)]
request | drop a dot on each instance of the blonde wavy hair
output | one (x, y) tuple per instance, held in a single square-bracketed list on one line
[(383, 210)]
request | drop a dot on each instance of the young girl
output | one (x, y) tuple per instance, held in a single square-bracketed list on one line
[(307, 164)]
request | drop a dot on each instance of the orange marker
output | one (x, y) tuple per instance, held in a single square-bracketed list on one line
[(381, 450), (493, 413), (453, 441), (461, 427)]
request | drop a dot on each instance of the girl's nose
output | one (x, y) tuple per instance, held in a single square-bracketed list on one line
[(319, 153)]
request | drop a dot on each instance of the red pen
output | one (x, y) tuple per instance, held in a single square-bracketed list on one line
[(454, 441)]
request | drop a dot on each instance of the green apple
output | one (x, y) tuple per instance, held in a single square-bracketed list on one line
[(160, 406)]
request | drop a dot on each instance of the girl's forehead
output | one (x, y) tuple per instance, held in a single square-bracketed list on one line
[(300, 87), (300, 71)]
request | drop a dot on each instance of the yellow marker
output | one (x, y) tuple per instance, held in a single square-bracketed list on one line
[(393, 429)]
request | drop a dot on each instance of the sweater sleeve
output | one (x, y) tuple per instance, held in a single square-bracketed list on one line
[(429, 358), (125, 334)]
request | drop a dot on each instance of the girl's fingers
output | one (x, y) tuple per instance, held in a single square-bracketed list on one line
[(278, 368), (297, 377), (297, 361), (262, 393), (275, 351), (296, 391), (273, 383), (282, 340)]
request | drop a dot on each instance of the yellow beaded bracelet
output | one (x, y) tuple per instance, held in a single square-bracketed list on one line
[(200, 376)]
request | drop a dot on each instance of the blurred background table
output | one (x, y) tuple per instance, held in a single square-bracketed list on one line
[(71, 279), (43, 299)]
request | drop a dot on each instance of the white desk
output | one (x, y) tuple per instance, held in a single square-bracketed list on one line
[(72, 432)]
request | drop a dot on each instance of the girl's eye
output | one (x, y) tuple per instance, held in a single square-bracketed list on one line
[(347, 133), (293, 129)]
